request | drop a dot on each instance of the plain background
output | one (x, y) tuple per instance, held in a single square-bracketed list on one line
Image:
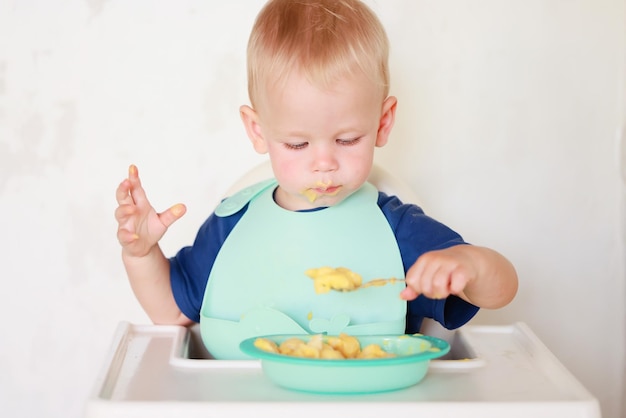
[(510, 128)]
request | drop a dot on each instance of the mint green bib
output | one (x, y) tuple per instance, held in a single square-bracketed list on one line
[(258, 284)]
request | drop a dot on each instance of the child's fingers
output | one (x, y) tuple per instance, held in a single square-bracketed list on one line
[(458, 280), (420, 275), (130, 188), (123, 212), (126, 237), (171, 215), (137, 192), (430, 280), (122, 194), (440, 287), (408, 293)]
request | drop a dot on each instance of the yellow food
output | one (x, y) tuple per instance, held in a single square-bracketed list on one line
[(343, 346), (327, 278), (290, 345), (330, 353), (381, 282), (313, 193), (347, 345), (373, 351), (310, 194), (266, 345)]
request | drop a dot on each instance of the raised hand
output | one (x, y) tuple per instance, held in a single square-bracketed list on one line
[(140, 227)]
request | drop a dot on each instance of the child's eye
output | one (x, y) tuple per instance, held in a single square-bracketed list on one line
[(351, 141), (296, 146)]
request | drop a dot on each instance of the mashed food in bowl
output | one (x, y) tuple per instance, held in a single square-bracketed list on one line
[(319, 346)]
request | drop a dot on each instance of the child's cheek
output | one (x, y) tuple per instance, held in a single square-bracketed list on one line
[(289, 173)]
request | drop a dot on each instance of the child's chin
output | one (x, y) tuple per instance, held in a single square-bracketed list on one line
[(326, 201), (320, 203)]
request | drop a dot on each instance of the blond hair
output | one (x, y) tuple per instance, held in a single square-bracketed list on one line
[(323, 39)]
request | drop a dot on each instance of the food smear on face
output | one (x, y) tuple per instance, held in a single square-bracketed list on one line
[(326, 279), (319, 189), (310, 194), (319, 346)]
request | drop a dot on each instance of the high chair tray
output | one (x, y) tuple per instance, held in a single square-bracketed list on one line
[(493, 371)]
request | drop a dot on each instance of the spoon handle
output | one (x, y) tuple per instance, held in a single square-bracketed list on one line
[(380, 282)]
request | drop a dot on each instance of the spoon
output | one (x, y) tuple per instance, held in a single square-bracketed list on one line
[(378, 282)]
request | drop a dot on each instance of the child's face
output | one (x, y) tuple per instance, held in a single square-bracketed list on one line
[(320, 142)]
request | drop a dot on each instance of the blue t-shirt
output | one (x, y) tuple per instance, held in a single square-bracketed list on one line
[(415, 232)]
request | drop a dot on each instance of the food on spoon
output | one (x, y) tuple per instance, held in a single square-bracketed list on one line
[(381, 282), (339, 347), (327, 278)]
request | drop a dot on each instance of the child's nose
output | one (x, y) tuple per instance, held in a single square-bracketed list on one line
[(324, 160)]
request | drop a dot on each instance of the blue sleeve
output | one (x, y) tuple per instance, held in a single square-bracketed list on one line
[(190, 267), (417, 234)]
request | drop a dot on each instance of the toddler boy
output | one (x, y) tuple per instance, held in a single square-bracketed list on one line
[(318, 82)]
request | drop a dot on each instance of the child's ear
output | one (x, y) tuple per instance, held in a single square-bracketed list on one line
[(250, 120), (387, 119)]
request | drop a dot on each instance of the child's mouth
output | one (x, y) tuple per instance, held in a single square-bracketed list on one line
[(320, 189)]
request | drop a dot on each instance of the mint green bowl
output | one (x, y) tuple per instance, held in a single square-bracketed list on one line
[(351, 376)]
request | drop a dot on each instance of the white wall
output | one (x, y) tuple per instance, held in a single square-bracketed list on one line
[(510, 125)]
